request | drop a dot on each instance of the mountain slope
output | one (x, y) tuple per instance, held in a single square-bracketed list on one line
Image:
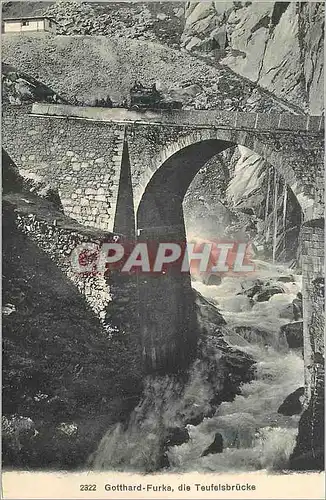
[(18, 88), (82, 68), (278, 45), (64, 380)]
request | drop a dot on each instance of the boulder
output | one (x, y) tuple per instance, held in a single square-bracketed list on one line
[(177, 436), (287, 312), (286, 279), (208, 316), (212, 280), (267, 292), (294, 334), (292, 404), (215, 447), (258, 336), (195, 41), (252, 288), (297, 307)]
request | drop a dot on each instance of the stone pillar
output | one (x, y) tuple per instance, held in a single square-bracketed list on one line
[(308, 453), (124, 219), (312, 251), (168, 324)]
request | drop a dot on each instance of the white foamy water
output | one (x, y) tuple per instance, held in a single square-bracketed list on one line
[(237, 310), (254, 435)]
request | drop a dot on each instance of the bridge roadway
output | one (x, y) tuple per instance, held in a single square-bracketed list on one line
[(261, 122)]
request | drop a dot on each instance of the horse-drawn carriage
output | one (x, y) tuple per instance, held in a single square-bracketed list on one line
[(149, 98)]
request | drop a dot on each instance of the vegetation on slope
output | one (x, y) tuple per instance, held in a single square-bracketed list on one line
[(64, 380)]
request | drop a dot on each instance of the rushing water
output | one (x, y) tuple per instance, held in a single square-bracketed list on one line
[(255, 435)]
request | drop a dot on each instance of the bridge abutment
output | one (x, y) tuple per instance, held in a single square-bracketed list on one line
[(308, 452)]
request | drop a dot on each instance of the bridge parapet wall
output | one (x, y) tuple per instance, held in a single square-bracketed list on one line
[(82, 162), (193, 118), (80, 151)]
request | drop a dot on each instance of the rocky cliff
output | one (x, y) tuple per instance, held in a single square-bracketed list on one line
[(278, 45)]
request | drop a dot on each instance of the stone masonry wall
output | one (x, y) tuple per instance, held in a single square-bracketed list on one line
[(233, 119), (313, 271), (58, 236), (308, 453), (81, 159)]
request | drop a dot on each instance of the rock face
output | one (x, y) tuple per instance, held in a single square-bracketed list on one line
[(19, 88), (278, 45), (256, 186), (240, 195), (208, 317), (56, 405), (204, 204)]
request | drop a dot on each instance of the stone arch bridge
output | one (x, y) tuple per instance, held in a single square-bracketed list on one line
[(127, 172)]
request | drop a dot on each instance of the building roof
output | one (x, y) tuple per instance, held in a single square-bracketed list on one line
[(28, 18)]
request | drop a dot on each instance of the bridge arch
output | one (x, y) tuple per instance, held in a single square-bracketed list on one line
[(288, 162), (168, 315)]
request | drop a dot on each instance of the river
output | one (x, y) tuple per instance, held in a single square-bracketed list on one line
[(255, 435)]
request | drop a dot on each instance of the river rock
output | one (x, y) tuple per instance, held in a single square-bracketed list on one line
[(292, 404), (258, 336), (215, 447), (251, 288), (297, 307), (208, 316), (287, 312), (286, 279), (177, 436), (274, 44), (267, 293), (294, 334), (212, 280)]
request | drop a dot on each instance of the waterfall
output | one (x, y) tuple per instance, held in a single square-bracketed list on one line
[(275, 214), (267, 204), (285, 199)]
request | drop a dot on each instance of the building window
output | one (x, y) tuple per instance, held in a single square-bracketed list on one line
[(25, 23), (50, 24)]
